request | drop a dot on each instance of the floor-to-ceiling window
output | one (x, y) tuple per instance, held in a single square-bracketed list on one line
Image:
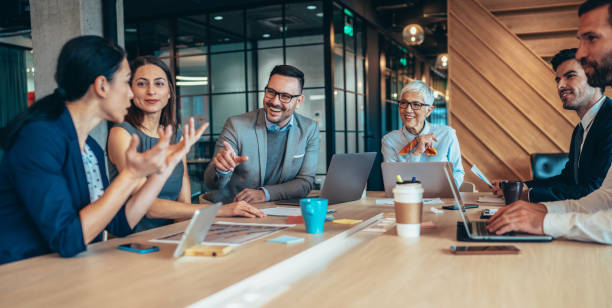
[(349, 80)]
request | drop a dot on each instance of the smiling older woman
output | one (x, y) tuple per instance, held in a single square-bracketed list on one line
[(419, 140)]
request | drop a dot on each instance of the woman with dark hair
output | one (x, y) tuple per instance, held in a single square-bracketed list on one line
[(153, 107), (54, 195)]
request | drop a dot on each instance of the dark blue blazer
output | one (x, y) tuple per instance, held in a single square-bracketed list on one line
[(42, 189), (595, 160)]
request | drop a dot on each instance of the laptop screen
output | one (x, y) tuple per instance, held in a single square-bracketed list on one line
[(458, 200)]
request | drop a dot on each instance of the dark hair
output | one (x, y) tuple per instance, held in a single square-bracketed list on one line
[(80, 62), (289, 71), (590, 5), (564, 55), (135, 116)]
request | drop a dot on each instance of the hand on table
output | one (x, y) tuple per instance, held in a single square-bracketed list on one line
[(519, 216), (226, 159), (251, 195), (240, 208)]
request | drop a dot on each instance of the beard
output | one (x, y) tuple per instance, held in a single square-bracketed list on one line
[(600, 74)]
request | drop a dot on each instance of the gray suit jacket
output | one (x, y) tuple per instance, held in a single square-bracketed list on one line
[(247, 134)]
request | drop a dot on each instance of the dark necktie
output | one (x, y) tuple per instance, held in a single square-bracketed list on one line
[(576, 147)]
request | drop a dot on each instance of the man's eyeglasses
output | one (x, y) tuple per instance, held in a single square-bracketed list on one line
[(413, 105), (284, 98)]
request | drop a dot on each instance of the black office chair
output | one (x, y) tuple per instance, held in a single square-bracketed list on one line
[(546, 165)]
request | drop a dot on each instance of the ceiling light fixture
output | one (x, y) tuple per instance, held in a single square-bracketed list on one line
[(442, 62), (265, 35), (219, 17), (413, 34), (311, 7)]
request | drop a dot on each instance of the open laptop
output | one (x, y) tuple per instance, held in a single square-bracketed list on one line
[(430, 174), (476, 231), (346, 178), (198, 228)]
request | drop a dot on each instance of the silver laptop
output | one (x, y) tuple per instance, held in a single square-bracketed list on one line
[(198, 228), (346, 178), (430, 174), (476, 231)]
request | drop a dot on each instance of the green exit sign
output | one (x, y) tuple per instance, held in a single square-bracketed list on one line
[(348, 30)]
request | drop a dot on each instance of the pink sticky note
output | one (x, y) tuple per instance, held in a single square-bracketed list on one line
[(295, 220)]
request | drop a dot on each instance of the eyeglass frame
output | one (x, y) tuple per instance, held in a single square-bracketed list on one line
[(412, 105), (276, 93)]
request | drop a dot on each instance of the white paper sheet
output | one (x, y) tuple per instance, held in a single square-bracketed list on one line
[(282, 211), (479, 173)]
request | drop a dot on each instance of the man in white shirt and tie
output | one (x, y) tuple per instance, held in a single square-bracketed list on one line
[(588, 218)]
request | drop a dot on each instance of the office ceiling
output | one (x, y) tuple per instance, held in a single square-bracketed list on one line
[(392, 15), (430, 14)]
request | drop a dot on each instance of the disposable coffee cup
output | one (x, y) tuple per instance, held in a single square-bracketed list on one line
[(408, 200)]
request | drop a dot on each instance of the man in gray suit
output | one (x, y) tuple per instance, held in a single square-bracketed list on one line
[(269, 153)]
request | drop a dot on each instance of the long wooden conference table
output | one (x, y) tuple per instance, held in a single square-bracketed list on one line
[(346, 266)]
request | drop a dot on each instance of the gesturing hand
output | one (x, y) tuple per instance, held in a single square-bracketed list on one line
[(190, 136), (519, 216), (424, 142), (226, 159), (153, 160)]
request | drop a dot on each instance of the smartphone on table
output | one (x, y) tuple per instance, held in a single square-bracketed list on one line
[(484, 250), (138, 248), (456, 207)]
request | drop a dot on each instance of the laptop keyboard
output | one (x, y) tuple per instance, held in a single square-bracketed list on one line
[(480, 228)]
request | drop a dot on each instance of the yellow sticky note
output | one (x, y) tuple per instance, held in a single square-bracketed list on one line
[(347, 221)]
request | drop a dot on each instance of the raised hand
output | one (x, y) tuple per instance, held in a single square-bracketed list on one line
[(190, 136), (153, 160), (226, 159)]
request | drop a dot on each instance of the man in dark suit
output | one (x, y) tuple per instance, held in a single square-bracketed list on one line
[(591, 146)]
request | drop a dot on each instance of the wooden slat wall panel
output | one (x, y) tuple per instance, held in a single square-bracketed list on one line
[(503, 99), (515, 87), (498, 107), (499, 143), (493, 5), (541, 20), (510, 50), (548, 45), (473, 152)]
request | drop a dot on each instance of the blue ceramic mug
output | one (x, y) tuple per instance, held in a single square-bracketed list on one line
[(314, 211)]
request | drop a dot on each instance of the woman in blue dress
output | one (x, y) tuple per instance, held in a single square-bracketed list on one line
[(54, 194)]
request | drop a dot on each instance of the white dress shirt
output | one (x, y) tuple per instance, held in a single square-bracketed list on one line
[(586, 219), (589, 117)]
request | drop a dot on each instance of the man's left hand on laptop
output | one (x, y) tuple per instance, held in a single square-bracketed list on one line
[(519, 216)]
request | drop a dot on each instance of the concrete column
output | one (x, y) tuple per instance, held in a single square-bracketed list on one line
[(54, 22)]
